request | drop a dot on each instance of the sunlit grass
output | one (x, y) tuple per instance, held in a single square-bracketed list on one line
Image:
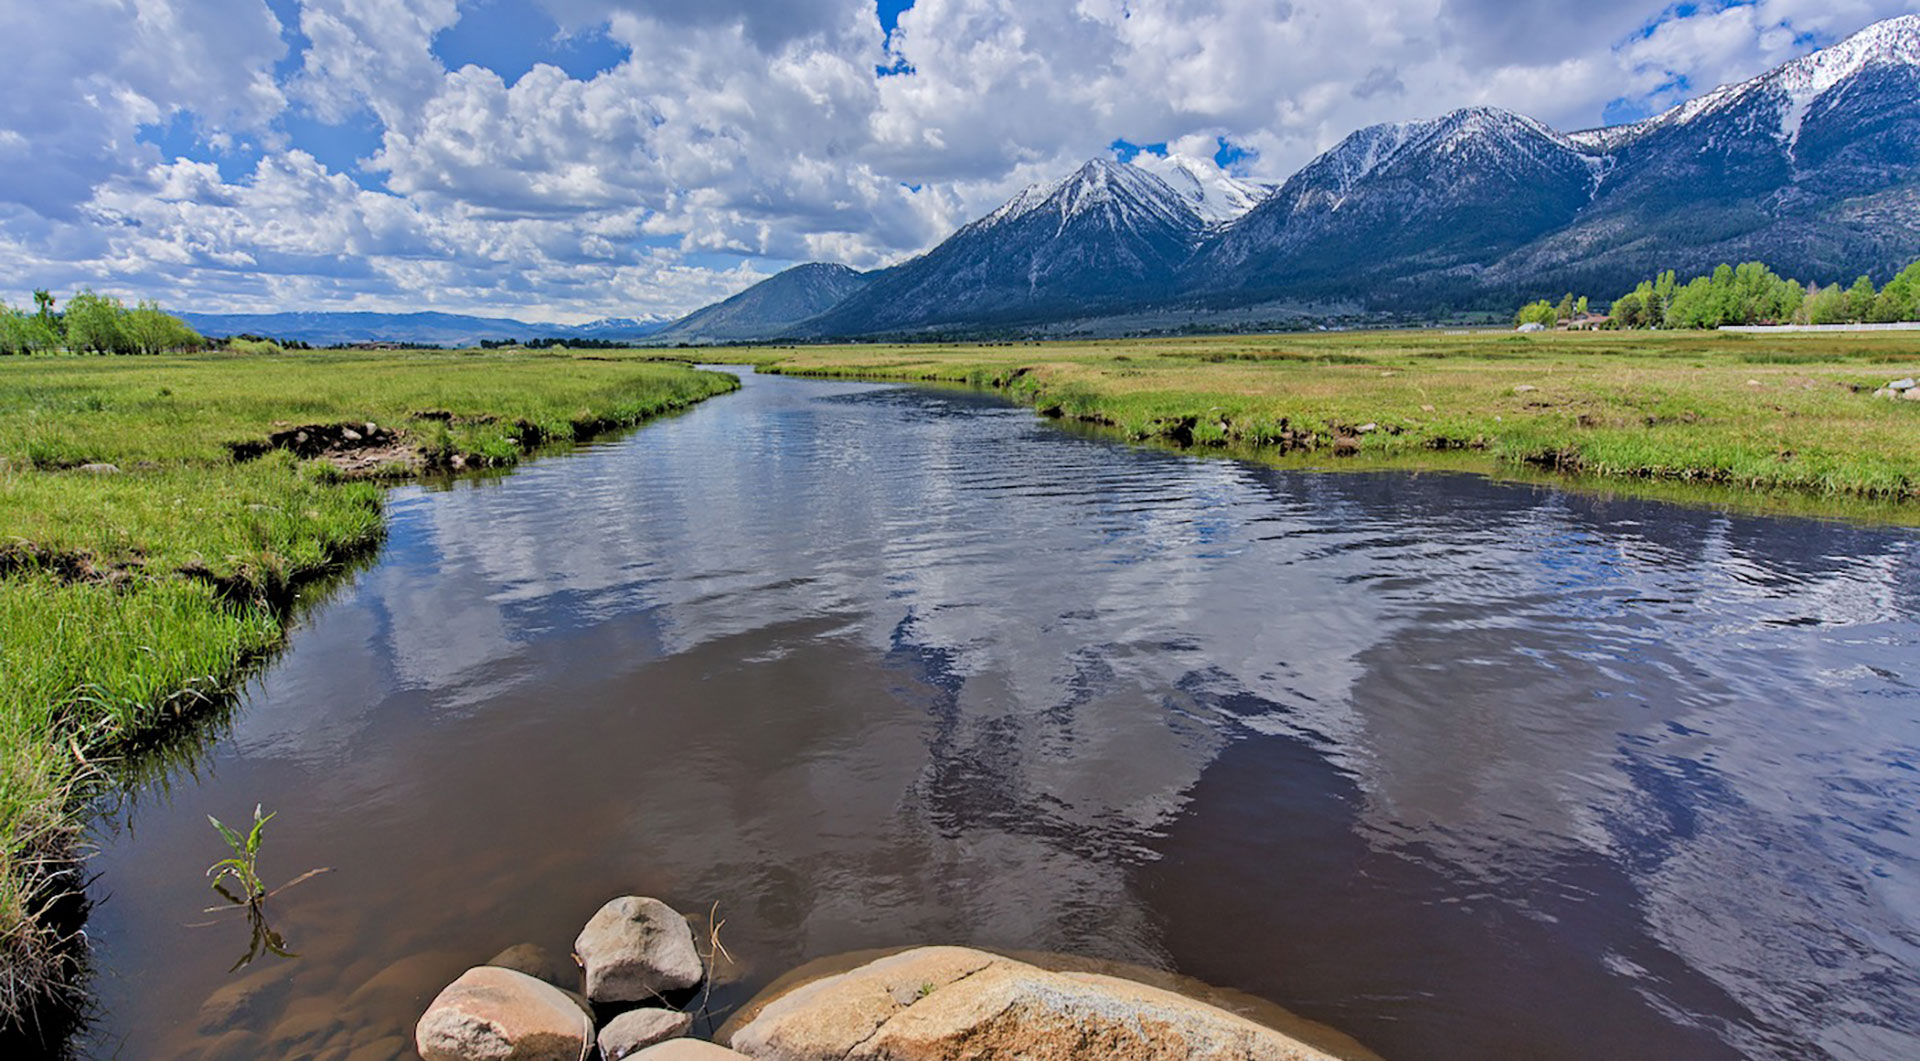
[(1772, 412)]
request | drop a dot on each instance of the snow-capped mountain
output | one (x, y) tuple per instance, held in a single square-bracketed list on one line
[(1108, 234), (1788, 93), (1475, 137), (1128, 196), (1411, 196), (1813, 167), (620, 327)]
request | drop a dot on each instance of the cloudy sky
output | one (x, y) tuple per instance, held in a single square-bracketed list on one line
[(570, 159)]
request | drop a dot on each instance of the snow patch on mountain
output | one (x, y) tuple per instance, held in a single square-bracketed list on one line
[(1175, 190), (623, 325), (1214, 195), (1129, 195), (1794, 87), (1448, 139), (1804, 80)]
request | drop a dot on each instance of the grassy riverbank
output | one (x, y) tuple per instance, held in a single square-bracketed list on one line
[(132, 595), (1772, 412)]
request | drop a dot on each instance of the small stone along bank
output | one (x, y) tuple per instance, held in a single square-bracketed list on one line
[(636, 959)]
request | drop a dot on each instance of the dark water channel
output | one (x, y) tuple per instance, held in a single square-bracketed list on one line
[(1465, 769)]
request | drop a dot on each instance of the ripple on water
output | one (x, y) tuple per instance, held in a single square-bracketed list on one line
[(1462, 768)]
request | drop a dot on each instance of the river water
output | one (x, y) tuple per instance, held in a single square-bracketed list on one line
[(1465, 769)]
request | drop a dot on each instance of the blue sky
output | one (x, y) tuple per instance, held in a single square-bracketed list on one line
[(568, 159)]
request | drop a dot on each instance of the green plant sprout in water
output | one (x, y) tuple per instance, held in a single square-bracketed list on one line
[(243, 866), (249, 892)]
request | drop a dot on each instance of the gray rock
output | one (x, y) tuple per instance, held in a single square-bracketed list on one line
[(637, 1029), (100, 468), (1912, 394), (1886, 392), (494, 1014), (1901, 384), (635, 949)]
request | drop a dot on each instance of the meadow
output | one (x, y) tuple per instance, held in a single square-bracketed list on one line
[(153, 545), (1791, 414), (159, 522)]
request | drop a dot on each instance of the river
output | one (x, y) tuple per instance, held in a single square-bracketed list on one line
[(1463, 768)]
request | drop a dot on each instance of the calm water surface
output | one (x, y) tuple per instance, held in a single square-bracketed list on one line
[(1465, 769)]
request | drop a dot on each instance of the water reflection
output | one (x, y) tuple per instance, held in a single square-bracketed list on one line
[(1464, 768)]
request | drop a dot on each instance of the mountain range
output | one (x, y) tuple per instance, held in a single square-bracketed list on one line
[(769, 307), (1810, 167), (433, 329)]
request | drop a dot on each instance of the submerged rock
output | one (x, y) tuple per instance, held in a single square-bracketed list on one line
[(387, 1049), (540, 963), (233, 1046), (637, 1029), (494, 1014), (305, 1023), (399, 988), (247, 1000), (956, 1004), (635, 949)]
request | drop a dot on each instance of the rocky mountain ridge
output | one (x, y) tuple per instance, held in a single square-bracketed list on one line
[(1813, 167)]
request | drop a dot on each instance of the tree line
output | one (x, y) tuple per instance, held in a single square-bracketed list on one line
[(94, 324), (1746, 294)]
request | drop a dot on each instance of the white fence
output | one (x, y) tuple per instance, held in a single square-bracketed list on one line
[(1903, 326)]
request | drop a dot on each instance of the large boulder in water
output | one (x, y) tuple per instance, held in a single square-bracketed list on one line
[(955, 1004), (635, 949), (494, 1014)]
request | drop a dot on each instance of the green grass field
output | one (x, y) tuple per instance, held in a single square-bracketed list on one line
[(131, 599), (1791, 413)]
